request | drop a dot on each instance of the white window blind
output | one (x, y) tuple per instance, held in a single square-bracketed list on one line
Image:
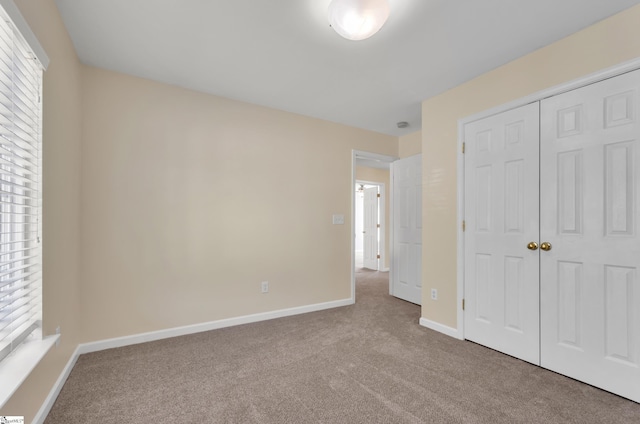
[(20, 189)]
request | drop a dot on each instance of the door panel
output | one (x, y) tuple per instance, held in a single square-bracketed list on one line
[(370, 228), (502, 217), (407, 229), (590, 287)]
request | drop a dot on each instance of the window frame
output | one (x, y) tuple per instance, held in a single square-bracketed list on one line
[(16, 367)]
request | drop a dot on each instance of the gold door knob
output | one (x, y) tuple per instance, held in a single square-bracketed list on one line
[(532, 246), (546, 246)]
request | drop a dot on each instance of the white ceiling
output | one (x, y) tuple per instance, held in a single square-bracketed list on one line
[(283, 54)]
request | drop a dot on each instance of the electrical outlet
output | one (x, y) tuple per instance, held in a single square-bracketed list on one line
[(58, 332), (265, 287), (434, 294)]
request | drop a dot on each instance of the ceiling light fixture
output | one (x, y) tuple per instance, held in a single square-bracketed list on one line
[(358, 19)]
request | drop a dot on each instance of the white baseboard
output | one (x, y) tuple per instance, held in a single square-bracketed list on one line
[(449, 331), (207, 326), (384, 270), (168, 333), (55, 391)]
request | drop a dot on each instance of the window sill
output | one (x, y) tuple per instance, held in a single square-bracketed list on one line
[(15, 368)]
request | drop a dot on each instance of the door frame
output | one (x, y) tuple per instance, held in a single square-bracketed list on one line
[(361, 154), (589, 79)]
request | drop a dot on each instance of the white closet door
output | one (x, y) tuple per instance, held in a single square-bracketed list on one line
[(502, 218), (407, 229), (590, 206)]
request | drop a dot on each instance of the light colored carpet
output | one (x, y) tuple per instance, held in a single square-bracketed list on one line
[(366, 363)]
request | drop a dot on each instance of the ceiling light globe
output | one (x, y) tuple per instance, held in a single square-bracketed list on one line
[(358, 19)]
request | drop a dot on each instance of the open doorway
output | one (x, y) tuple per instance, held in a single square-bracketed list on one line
[(372, 175)]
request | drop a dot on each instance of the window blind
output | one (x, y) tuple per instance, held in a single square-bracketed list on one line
[(20, 189)]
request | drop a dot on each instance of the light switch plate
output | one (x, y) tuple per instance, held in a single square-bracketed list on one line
[(338, 219)]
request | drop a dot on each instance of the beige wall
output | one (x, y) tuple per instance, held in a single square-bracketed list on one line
[(602, 45), (380, 176), (61, 144), (410, 144), (189, 201)]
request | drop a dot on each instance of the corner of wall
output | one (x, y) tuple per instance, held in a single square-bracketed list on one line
[(61, 204), (410, 144)]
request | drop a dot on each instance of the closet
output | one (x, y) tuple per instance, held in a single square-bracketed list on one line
[(551, 246)]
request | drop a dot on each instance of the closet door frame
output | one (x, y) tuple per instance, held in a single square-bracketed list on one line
[(535, 97)]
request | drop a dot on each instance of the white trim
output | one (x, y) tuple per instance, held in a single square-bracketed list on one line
[(382, 205), (207, 326), (460, 234), (18, 20), (361, 154), (169, 333), (391, 231), (592, 78), (55, 390), (352, 185), (16, 367), (444, 329)]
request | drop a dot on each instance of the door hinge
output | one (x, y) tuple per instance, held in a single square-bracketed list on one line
[(378, 225), (378, 256), (463, 304), (463, 146), (464, 226), (378, 194)]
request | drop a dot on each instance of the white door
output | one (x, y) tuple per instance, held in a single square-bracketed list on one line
[(407, 229), (590, 206), (502, 218), (370, 228)]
